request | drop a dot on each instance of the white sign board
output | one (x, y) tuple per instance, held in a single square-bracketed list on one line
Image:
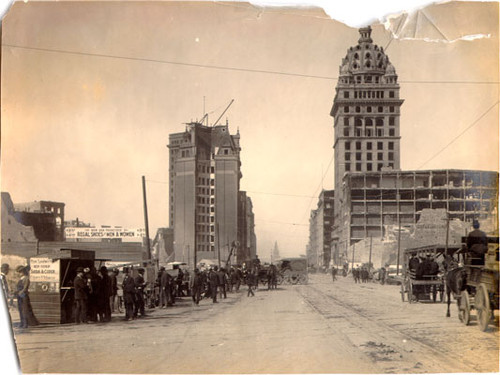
[(104, 233), (44, 270)]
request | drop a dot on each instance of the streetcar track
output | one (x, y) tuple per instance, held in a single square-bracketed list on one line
[(467, 367)]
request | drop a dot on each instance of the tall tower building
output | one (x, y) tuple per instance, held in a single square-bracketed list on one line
[(366, 113), (204, 177)]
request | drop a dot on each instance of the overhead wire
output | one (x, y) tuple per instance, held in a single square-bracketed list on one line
[(220, 67)]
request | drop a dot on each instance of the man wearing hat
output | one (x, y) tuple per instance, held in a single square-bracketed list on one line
[(477, 244), (140, 284), (81, 296), (128, 287)]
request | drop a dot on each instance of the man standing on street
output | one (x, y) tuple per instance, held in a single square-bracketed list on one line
[(128, 286), (114, 288), (250, 280), (5, 284), (81, 296), (140, 284), (214, 281), (195, 284), (222, 282)]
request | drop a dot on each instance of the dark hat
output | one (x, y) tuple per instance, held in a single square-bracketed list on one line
[(104, 269), (79, 269), (116, 270), (162, 268), (5, 267), (140, 270), (20, 268), (475, 224)]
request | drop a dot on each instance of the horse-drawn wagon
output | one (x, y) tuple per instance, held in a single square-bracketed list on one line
[(422, 273), (292, 271), (475, 285)]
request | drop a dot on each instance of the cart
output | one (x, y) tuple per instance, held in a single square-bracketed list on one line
[(480, 291), (419, 283)]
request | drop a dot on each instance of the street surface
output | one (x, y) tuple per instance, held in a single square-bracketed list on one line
[(322, 327)]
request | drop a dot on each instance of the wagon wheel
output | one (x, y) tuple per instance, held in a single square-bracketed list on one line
[(403, 291), (464, 308), (482, 305), (294, 279), (303, 279)]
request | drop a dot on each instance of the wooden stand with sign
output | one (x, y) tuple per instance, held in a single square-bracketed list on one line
[(51, 283)]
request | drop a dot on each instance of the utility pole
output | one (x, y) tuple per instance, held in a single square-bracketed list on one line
[(399, 234), (370, 258), (353, 249), (146, 217), (218, 243)]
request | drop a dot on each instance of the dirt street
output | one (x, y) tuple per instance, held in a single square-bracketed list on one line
[(322, 327)]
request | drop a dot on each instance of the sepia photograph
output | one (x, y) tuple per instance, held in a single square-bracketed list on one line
[(200, 187)]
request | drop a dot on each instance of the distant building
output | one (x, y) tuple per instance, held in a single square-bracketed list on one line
[(320, 230), (14, 231), (204, 184), (375, 203), (374, 198), (246, 230), (46, 218), (163, 245)]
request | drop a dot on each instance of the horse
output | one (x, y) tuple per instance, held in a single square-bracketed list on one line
[(456, 279)]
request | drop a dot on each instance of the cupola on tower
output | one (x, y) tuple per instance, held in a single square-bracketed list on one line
[(366, 111)]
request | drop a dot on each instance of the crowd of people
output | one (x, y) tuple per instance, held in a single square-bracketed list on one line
[(98, 293)]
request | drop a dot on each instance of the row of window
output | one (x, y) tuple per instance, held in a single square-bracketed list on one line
[(369, 145), (379, 121), (206, 181), (206, 219), (206, 169), (380, 109), (369, 167), (368, 94), (206, 210), (205, 191), (205, 200), (369, 155), (367, 79), (358, 132)]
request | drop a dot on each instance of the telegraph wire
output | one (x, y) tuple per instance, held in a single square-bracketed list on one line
[(474, 123), (229, 68)]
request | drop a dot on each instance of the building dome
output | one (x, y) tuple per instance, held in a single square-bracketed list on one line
[(366, 58)]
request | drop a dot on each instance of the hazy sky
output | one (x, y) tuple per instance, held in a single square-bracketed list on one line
[(83, 127)]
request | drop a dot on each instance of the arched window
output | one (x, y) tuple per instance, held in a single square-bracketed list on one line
[(369, 122), (358, 122), (380, 121)]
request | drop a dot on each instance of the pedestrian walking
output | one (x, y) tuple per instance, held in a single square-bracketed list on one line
[(140, 284), (214, 282), (81, 296), (250, 280), (195, 284), (334, 273), (222, 280), (128, 286)]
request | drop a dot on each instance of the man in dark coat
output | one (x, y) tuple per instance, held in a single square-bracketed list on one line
[(128, 286), (250, 280), (81, 296), (114, 289), (477, 244), (140, 284), (221, 274), (214, 281), (106, 291), (195, 284)]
